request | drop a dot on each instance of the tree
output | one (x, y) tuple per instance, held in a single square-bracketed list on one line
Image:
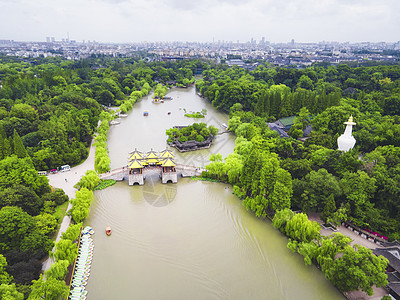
[(24, 111), (106, 98), (21, 196), (329, 209), (72, 232), (246, 130), (48, 289), (14, 170), (358, 188), (89, 181), (300, 228), (339, 215), (15, 224), (19, 148), (319, 186), (7, 148), (81, 204), (102, 161), (281, 218), (307, 249), (4, 277), (305, 82), (282, 192), (303, 118), (58, 196), (233, 167), (36, 241), (45, 223), (358, 268), (66, 250), (58, 270), (9, 292)]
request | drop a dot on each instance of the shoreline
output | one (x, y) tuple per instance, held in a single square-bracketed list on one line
[(66, 182)]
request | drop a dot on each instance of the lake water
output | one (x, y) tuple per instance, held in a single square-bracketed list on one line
[(190, 240)]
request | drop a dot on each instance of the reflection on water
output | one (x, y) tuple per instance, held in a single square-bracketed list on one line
[(191, 240), (157, 194)]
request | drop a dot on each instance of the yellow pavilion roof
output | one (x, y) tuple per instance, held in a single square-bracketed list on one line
[(153, 160), (151, 154), (166, 153), (135, 155), (168, 163), (135, 164)]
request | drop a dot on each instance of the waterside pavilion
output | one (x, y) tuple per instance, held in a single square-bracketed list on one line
[(141, 164)]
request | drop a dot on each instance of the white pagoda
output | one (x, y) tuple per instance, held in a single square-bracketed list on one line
[(347, 141)]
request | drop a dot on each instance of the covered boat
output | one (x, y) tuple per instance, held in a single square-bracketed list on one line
[(108, 230)]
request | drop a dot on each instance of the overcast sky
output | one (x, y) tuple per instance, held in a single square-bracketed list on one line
[(201, 20)]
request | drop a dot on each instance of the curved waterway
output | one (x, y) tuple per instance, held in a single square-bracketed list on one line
[(190, 240)]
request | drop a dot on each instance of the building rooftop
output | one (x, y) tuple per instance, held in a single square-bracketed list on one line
[(392, 254)]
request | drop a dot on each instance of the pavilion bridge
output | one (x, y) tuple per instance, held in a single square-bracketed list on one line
[(140, 165)]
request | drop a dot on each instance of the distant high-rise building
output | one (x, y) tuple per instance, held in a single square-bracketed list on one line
[(262, 41), (48, 39), (292, 42), (53, 39)]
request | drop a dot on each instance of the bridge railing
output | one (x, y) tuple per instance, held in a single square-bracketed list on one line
[(178, 167)]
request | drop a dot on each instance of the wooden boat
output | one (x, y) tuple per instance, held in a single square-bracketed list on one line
[(108, 230)]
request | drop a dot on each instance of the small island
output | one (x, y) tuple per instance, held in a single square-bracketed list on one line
[(189, 138), (196, 115)]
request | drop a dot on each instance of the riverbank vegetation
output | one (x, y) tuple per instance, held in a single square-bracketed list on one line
[(197, 115), (273, 174), (160, 90), (105, 184), (332, 254), (49, 111)]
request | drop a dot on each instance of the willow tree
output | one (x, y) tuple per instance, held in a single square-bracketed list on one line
[(358, 269)]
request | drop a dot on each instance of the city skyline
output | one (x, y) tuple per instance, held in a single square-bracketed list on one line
[(129, 21)]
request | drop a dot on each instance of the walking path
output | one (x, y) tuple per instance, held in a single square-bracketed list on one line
[(66, 181)]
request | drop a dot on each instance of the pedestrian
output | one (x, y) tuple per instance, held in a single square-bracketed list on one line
[(66, 180)]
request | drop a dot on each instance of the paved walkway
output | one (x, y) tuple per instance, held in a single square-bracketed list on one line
[(66, 181), (355, 239)]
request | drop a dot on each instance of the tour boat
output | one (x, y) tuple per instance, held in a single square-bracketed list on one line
[(108, 230)]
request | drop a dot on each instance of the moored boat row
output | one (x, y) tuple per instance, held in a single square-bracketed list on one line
[(82, 266)]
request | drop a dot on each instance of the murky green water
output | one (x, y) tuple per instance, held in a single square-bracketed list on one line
[(191, 240)]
